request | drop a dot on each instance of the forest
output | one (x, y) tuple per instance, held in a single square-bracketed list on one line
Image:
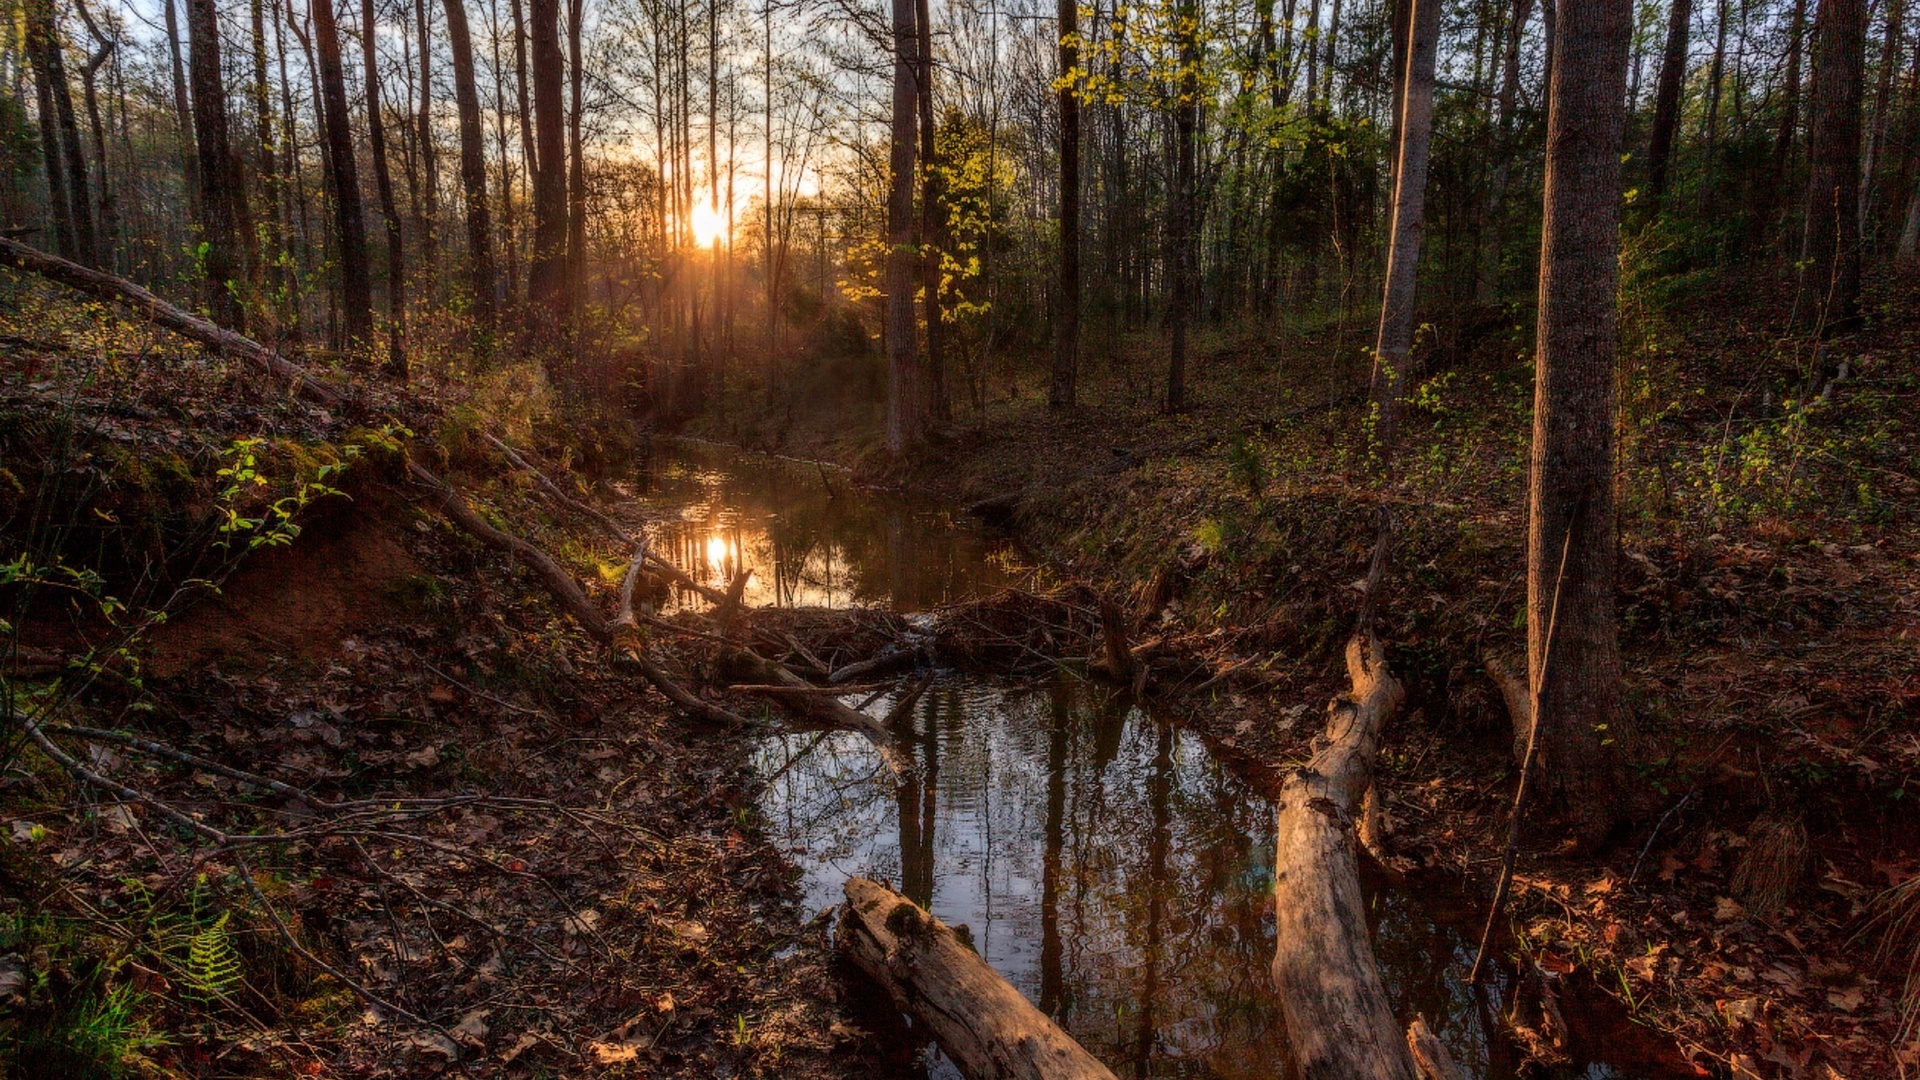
[(1331, 539)]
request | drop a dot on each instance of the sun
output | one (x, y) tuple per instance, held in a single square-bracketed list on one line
[(708, 228)]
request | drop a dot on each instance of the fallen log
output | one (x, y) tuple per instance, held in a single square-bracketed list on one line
[(1429, 1054), (743, 665), (112, 287), (980, 1021), (1338, 1021), (895, 655)]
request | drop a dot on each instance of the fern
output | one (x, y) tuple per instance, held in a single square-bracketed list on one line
[(213, 968)]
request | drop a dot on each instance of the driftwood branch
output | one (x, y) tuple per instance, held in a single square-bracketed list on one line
[(107, 286), (748, 667), (984, 1024), (1338, 1019)]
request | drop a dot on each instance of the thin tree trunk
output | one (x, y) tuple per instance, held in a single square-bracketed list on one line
[(1583, 720), (1830, 250), (429, 158), (350, 226), (219, 182), (270, 243), (1666, 106), (1882, 105), (292, 184), (547, 280), (1066, 318), (43, 53), (473, 165), (906, 418), (383, 183), (933, 210), (189, 157), (1180, 212), (1392, 353), (576, 166), (1716, 71), (529, 147), (109, 215), (1487, 287), (1768, 200)]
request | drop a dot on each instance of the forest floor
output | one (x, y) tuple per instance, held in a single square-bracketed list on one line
[(528, 851), (1769, 595)]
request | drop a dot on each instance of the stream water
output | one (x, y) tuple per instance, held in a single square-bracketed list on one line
[(1104, 861)]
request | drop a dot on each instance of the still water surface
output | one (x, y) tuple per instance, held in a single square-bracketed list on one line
[(1104, 861)]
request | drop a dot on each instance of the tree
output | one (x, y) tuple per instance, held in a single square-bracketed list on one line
[(473, 164), (1666, 108), (1180, 212), (219, 178), (906, 418), (383, 183), (547, 277), (182, 113), (1392, 351), (89, 77), (1830, 248), (43, 53), (1579, 694), (1066, 316), (429, 220), (350, 226)]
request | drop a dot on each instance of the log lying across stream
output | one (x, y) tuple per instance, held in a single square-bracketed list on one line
[(981, 1022)]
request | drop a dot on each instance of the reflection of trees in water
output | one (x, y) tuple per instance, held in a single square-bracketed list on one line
[(808, 544), (1103, 862)]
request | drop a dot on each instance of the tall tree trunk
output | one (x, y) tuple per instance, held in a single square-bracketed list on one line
[(1830, 251), (383, 183), (547, 279), (1066, 318), (350, 224), (270, 242), (429, 228), (576, 164), (933, 210), (906, 415), (1666, 105), (1392, 353), (292, 185), (1767, 200), (1487, 286), (219, 182), (1180, 213), (1882, 106), (73, 160), (109, 214), (183, 115), (1582, 719), (529, 147), (43, 52), (1716, 73), (473, 165)]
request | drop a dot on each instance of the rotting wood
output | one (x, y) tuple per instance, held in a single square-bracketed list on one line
[(1338, 1020), (1429, 1054), (980, 1021), (1113, 632), (107, 286), (895, 655)]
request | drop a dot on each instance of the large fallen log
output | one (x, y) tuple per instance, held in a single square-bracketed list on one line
[(980, 1021), (114, 288), (1338, 1021)]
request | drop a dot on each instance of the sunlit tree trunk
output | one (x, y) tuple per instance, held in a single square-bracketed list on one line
[(932, 225), (349, 221), (576, 165), (1393, 348), (473, 165), (547, 278), (1572, 636), (429, 229)]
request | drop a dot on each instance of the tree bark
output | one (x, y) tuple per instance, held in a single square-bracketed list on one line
[(547, 279), (349, 221), (1339, 1023), (932, 223), (43, 53), (576, 164), (1830, 248), (473, 166), (1882, 106), (981, 1022), (1487, 286), (1066, 318), (1393, 349), (271, 244), (1584, 717), (430, 159), (383, 183), (219, 180), (1186, 107), (73, 161), (1767, 200), (183, 114), (906, 411), (1666, 107), (109, 221)]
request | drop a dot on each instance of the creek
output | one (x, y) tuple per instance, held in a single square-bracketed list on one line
[(1103, 859)]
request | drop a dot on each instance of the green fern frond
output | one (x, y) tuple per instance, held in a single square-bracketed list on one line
[(214, 969)]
